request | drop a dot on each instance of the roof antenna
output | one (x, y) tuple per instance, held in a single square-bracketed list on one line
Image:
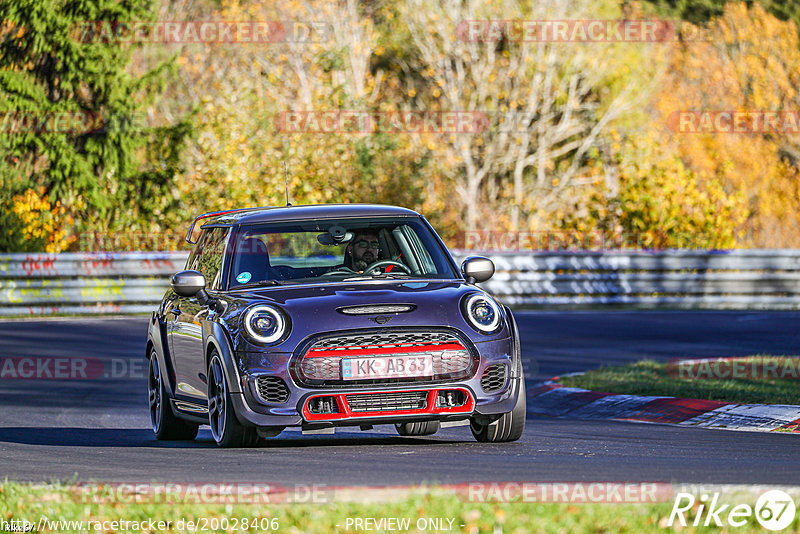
[(286, 179)]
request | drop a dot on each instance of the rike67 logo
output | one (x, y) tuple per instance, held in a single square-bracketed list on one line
[(774, 510)]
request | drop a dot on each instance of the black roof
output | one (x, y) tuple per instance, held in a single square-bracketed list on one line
[(297, 213), (308, 212)]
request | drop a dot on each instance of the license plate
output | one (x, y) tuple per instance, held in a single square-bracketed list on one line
[(387, 367)]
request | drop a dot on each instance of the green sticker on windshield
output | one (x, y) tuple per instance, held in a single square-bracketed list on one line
[(243, 278)]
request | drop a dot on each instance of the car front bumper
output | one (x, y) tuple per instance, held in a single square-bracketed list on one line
[(252, 410)]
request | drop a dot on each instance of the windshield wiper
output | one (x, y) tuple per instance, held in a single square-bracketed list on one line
[(373, 276), (262, 283), (390, 275)]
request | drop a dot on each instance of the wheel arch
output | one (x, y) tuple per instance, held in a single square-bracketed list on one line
[(155, 342), (215, 338), (516, 356)]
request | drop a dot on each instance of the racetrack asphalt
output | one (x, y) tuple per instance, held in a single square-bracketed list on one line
[(99, 429)]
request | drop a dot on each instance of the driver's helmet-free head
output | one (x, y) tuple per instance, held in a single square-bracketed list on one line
[(362, 251)]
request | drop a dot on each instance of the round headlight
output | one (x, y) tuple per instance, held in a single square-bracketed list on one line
[(483, 313), (264, 324)]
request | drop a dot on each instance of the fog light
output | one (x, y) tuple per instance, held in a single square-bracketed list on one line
[(319, 405), (450, 398)]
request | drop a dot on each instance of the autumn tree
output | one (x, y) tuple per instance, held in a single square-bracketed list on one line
[(322, 63), (656, 201), (748, 61), (112, 172), (549, 103)]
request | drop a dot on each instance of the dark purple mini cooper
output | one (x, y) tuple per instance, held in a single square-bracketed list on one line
[(317, 317)]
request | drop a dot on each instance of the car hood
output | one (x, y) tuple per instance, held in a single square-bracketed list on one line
[(313, 309)]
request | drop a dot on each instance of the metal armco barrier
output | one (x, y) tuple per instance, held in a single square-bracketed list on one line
[(130, 282), (726, 279), (85, 283)]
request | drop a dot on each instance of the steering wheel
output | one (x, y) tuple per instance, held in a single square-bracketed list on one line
[(385, 263), (340, 270)]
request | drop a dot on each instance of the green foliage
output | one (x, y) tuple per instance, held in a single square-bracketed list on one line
[(379, 157), (701, 11), (46, 67), (507, 509), (648, 377), (563, 168), (658, 202)]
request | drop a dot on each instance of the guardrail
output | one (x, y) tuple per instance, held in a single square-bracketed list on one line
[(727, 279), (85, 283), (129, 282)]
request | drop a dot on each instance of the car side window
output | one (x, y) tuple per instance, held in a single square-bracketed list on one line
[(209, 254), (427, 265)]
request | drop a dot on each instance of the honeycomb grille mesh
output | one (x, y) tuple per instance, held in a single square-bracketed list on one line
[(272, 389), (316, 369), (379, 402), (380, 339), (451, 361), (494, 377), (321, 368)]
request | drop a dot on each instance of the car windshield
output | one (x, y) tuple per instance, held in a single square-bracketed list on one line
[(335, 250)]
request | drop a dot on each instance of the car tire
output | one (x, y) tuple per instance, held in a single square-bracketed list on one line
[(508, 427), (166, 425), (421, 428), (225, 427)]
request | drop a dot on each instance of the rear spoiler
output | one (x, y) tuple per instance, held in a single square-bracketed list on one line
[(213, 214)]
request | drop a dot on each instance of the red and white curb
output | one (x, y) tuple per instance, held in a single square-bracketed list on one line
[(554, 400)]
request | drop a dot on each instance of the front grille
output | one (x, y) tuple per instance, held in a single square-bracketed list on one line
[(379, 402), (322, 368), (494, 377), (380, 339), (451, 362), (272, 389), (320, 364)]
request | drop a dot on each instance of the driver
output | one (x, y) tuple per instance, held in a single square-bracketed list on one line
[(362, 251)]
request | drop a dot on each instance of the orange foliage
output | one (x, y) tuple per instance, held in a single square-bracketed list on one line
[(750, 61)]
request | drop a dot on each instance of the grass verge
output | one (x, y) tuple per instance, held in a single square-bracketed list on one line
[(747, 380), (454, 513)]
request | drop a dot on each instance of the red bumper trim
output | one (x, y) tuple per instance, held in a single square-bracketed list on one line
[(346, 413)]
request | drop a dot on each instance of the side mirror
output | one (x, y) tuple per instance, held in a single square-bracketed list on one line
[(188, 283), (477, 269)]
